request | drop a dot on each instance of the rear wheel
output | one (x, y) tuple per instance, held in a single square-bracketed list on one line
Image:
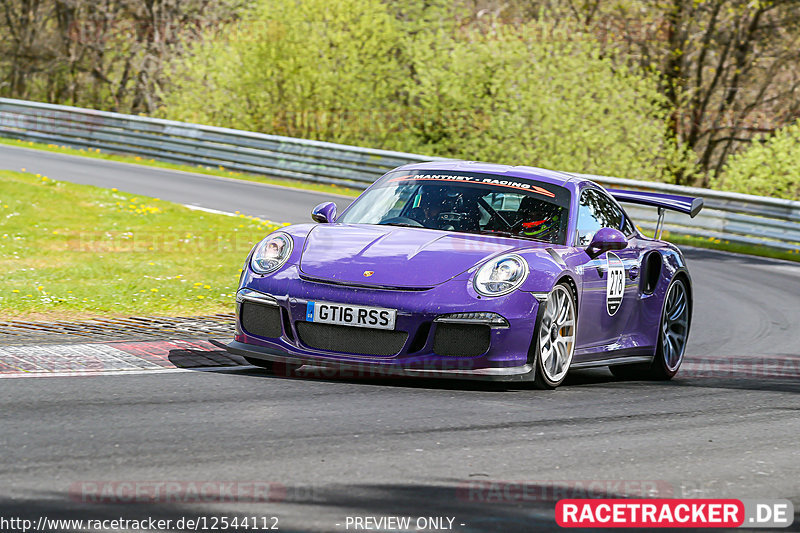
[(672, 336), (273, 367), (555, 342)]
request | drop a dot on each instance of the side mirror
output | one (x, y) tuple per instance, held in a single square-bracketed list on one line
[(607, 239), (324, 213)]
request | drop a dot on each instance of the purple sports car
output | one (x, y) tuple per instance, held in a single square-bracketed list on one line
[(471, 270)]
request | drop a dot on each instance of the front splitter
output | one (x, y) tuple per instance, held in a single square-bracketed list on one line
[(515, 373)]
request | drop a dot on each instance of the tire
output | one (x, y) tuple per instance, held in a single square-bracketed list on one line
[(274, 368), (673, 332), (555, 337)]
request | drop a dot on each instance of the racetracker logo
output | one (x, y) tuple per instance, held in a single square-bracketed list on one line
[(701, 513)]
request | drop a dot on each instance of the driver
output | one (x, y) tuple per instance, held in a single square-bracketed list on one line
[(432, 202), (540, 219)]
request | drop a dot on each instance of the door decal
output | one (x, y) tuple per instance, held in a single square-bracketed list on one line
[(615, 283)]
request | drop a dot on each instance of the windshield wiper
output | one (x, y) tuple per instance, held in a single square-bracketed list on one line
[(400, 224), (503, 233)]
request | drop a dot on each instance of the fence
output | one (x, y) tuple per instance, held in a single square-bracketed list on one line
[(732, 217)]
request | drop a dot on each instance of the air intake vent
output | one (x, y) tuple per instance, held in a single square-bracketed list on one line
[(461, 340), (261, 320), (348, 339)]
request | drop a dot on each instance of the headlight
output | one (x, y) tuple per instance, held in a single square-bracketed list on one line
[(271, 253), (501, 275)]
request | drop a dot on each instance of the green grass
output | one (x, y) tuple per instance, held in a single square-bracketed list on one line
[(69, 250), (213, 171), (725, 246)]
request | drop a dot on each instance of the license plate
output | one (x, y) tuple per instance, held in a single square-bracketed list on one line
[(350, 315)]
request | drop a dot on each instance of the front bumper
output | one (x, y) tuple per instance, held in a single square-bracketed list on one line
[(507, 358), (367, 370)]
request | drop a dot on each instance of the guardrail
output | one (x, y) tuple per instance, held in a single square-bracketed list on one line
[(732, 217)]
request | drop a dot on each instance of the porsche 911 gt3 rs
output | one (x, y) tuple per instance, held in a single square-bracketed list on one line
[(471, 270)]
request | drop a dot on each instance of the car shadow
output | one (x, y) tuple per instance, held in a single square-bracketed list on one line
[(223, 363)]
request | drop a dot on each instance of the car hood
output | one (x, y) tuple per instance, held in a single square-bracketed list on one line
[(394, 256)]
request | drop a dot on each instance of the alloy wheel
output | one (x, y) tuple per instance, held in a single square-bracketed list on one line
[(557, 334), (675, 325)]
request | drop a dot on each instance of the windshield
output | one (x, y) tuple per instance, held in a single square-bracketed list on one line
[(482, 204)]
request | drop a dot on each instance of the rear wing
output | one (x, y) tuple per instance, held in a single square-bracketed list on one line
[(684, 204), (687, 205)]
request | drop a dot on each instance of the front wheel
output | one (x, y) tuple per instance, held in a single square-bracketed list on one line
[(555, 342), (672, 335), (273, 367)]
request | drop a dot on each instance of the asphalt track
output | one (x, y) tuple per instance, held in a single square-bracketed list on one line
[(494, 458), (281, 204)]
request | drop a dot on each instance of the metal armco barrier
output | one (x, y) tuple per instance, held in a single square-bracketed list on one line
[(732, 217)]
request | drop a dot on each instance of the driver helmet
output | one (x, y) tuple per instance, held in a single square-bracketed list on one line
[(538, 228), (538, 217)]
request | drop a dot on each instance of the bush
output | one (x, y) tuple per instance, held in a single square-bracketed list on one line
[(543, 96), (353, 72), (767, 168), (313, 69)]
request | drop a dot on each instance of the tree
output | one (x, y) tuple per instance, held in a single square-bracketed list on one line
[(358, 72), (730, 68), (106, 54), (311, 69), (540, 94), (770, 167)]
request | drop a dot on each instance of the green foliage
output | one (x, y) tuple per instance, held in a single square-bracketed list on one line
[(313, 69), (354, 72), (539, 95), (769, 168)]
